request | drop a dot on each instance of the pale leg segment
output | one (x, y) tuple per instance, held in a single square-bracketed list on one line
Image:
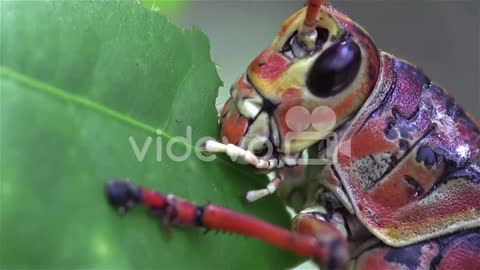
[(254, 195), (238, 154)]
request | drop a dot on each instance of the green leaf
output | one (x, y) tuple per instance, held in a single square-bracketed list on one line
[(78, 79)]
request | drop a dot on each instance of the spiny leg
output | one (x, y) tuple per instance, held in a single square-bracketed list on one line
[(239, 154), (171, 210), (236, 153)]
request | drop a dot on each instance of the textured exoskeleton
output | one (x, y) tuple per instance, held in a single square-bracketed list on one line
[(398, 186)]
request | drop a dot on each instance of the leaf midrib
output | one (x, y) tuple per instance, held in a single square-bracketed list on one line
[(79, 100), (87, 103)]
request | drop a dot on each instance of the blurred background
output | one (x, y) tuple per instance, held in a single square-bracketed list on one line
[(441, 37)]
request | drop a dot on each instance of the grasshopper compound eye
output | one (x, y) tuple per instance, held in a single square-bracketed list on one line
[(334, 69), (122, 195)]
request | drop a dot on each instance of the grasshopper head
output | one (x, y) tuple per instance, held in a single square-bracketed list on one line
[(304, 85)]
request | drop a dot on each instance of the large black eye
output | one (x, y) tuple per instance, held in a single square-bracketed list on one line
[(335, 69)]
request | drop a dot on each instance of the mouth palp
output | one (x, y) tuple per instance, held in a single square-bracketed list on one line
[(249, 108), (274, 135), (249, 104)]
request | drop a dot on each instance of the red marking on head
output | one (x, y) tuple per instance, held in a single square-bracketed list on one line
[(284, 28), (289, 22), (234, 127), (269, 65), (243, 86), (290, 98), (291, 94), (226, 107)]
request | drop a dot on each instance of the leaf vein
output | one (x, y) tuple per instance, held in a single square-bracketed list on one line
[(76, 99)]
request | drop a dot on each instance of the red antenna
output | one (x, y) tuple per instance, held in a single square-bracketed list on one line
[(307, 34), (313, 7)]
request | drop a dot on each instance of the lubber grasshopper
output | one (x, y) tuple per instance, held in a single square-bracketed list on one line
[(403, 187)]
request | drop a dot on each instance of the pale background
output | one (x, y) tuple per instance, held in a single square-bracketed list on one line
[(442, 37)]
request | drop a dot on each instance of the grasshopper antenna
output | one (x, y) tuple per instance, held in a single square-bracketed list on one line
[(308, 34)]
